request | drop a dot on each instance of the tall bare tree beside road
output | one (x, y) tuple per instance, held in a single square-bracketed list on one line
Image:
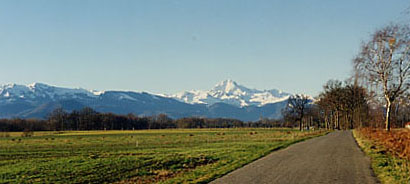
[(385, 62)]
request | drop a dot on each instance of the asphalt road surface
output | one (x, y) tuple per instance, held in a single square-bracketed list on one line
[(333, 158)]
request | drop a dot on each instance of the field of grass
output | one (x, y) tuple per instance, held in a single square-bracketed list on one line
[(389, 159), (146, 156)]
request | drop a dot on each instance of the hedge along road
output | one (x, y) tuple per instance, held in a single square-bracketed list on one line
[(334, 158)]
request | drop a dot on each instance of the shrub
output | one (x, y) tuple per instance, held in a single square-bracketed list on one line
[(397, 142)]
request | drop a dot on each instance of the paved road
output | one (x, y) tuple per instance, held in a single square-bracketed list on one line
[(334, 158)]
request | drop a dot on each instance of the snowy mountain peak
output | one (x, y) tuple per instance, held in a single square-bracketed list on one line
[(229, 86), (38, 85), (226, 84), (230, 92)]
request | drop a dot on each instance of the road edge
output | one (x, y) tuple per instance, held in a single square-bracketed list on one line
[(359, 144), (383, 164), (282, 147)]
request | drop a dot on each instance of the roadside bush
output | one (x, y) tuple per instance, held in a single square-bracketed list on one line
[(386, 164), (397, 142)]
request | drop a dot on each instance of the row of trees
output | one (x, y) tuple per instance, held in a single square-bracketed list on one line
[(344, 105), (89, 119), (380, 90), (339, 106), (13, 125)]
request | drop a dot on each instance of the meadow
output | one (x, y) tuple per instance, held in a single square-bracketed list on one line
[(143, 156)]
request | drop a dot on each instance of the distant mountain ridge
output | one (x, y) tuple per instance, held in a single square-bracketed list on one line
[(226, 100), (232, 93)]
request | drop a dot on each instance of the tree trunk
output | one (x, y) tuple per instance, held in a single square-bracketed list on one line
[(328, 124), (388, 112), (332, 121), (300, 125), (337, 121)]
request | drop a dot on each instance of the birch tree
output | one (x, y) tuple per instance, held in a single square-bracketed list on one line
[(384, 62)]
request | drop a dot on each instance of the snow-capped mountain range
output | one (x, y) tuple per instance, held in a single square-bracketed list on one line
[(38, 90), (226, 100), (232, 93)]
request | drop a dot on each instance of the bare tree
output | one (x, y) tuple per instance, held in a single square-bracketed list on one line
[(384, 61), (296, 108), (343, 105), (56, 119)]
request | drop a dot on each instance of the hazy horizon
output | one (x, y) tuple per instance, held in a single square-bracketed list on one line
[(173, 46)]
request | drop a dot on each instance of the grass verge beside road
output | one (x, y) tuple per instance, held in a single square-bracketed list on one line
[(388, 153)]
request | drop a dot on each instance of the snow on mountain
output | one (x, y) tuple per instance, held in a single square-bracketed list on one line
[(39, 90), (230, 92), (227, 91), (226, 100)]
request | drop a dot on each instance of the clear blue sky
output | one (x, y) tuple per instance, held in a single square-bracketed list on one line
[(174, 45)]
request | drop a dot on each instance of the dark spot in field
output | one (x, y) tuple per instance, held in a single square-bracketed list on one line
[(382, 152), (162, 135), (191, 135), (13, 139), (221, 133), (253, 133), (383, 164), (373, 147), (132, 136), (93, 156)]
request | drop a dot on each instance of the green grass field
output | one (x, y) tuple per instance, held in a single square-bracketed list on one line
[(146, 156)]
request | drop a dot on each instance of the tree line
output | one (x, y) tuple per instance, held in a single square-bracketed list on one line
[(89, 119), (377, 95)]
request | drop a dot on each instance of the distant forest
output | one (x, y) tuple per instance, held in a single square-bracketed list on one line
[(89, 119)]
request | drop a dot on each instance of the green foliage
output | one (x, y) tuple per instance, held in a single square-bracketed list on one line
[(148, 156)]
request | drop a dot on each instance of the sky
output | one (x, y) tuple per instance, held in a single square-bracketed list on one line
[(168, 46)]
